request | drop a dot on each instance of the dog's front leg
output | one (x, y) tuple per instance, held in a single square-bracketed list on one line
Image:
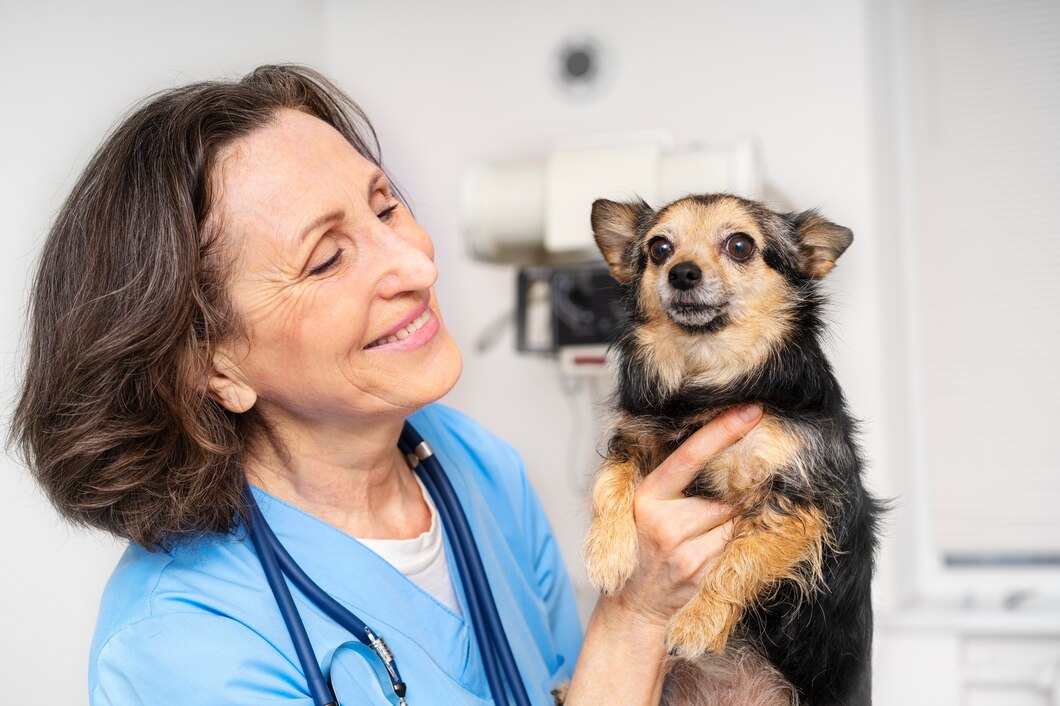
[(769, 546), (611, 545)]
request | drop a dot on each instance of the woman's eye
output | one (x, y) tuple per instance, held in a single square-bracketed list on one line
[(740, 246), (387, 213), (660, 249), (327, 264)]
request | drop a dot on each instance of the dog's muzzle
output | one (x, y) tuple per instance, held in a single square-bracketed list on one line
[(692, 302)]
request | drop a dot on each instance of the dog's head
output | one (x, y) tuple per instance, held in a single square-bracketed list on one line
[(717, 280)]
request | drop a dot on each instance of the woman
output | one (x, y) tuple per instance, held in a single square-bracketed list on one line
[(235, 293)]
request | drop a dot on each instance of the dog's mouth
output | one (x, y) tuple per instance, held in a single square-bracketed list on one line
[(699, 310), (697, 317)]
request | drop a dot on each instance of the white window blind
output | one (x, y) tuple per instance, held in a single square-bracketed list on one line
[(983, 123)]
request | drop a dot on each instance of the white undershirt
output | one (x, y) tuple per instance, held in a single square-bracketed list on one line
[(422, 559)]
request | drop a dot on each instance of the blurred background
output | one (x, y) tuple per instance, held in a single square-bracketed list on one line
[(929, 127)]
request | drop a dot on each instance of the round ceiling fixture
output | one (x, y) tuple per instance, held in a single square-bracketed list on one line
[(580, 65)]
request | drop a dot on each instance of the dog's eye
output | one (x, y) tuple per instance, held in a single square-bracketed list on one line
[(660, 249), (740, 246)]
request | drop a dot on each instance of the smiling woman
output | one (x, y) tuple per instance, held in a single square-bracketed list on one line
[(234, 313), (317, 299), (316, 294)]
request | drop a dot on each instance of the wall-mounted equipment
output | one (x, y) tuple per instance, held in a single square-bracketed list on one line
[(568, 311), (536, 214)]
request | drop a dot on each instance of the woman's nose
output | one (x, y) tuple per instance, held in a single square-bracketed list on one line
[(407, 263)]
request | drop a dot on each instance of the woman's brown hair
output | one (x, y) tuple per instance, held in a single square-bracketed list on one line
[(128, 303)]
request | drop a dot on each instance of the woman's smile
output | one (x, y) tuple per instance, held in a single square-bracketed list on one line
[(335, 278), (418, 329)]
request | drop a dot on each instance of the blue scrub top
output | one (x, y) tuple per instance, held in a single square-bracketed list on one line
[(199, 625)]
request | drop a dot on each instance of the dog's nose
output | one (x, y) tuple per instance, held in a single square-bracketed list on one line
[(685, 275)]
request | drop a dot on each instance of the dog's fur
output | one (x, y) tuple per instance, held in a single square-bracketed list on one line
[(784, 616)]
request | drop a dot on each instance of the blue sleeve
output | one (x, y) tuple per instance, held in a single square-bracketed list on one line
[(194, 659)]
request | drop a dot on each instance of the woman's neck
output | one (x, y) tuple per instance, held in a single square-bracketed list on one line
[(355, 479)]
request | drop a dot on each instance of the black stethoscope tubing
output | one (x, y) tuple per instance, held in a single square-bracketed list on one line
[(499, 665)]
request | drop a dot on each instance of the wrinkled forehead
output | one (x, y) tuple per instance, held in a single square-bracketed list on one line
[(711, 217), (292, 164)]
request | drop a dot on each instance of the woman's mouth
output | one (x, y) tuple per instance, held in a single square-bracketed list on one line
[(405, 331)]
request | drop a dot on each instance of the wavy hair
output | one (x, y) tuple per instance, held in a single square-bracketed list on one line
[(128, 304)]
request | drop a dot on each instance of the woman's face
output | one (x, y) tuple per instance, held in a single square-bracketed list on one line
[(333, 279)]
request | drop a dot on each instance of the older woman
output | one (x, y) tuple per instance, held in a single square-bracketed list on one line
[(235, 295)]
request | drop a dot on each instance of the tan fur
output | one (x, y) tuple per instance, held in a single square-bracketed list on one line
[(775, 540), (748, 342), (761, 299), (668, 351), (769, 546), (611, 545), (612, 228), (823, 243), (742, 472)]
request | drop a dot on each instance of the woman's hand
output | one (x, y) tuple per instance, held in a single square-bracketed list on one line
[(679, 537), (623, 655)]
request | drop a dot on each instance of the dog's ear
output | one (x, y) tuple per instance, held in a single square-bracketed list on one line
[(820, 242), (615, 230)]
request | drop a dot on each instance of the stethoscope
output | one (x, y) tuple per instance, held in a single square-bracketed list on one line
[(502, 674)]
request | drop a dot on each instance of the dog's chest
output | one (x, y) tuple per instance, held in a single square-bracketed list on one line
[(741, 472), (652, 438)]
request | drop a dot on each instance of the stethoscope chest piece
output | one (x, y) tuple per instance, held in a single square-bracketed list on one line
[(371, 656)]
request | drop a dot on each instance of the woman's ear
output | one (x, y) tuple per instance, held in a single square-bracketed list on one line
[(615, 229), (820, 242), (227, 388)]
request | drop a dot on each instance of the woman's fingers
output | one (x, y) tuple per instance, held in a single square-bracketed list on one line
[(677, 472), (711, 544), (699, 553), (679, 537), (687, 518)]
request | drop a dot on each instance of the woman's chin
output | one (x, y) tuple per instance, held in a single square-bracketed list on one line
[(430, 382), (447, 368)]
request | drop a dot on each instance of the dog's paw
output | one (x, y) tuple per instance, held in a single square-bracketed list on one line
[(698, 628), (610, 554)]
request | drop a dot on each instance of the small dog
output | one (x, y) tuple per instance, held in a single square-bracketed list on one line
[(725, 310)]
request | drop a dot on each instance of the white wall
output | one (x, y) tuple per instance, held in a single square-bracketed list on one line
[(67, 70), (447, 85), (472, 82)]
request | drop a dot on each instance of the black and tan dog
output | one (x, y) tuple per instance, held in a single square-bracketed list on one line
[(725, 310)]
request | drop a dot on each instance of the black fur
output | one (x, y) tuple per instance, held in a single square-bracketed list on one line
[(821, 643)]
